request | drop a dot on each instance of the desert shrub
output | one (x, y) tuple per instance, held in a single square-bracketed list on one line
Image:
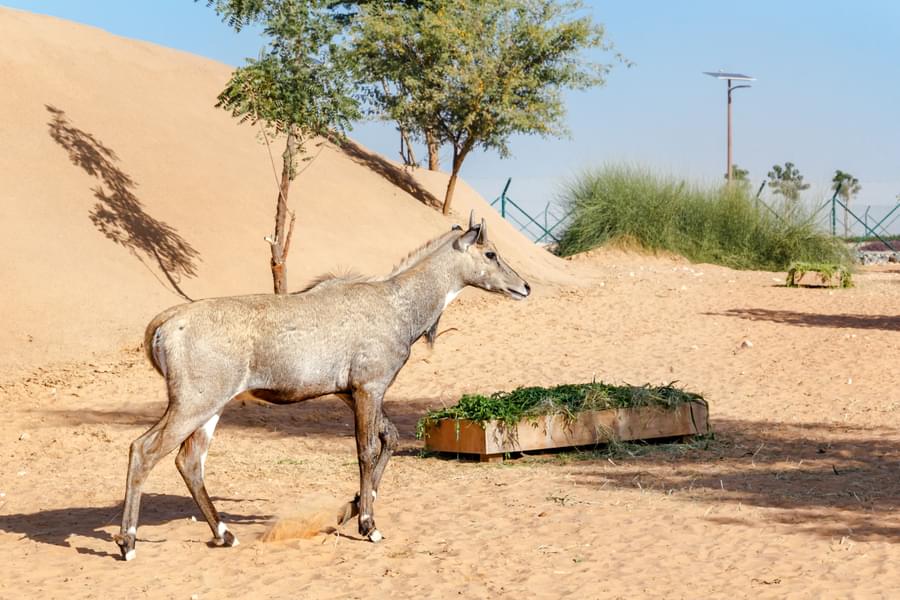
[(715, 224)]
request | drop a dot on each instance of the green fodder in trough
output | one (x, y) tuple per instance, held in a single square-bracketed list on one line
[(825, 270), (570, 399), (715, 224)]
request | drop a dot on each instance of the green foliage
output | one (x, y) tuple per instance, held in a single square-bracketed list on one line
[(301, 83), (473, 74), (825, 270), (300, 87), (787, 181), (530, 402), (721, 225), (846, 185), (738, 174)]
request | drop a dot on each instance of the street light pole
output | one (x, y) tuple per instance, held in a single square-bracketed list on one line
[(728, 172), (731, 87)]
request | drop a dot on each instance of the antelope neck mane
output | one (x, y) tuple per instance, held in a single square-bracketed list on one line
[(407, 263)]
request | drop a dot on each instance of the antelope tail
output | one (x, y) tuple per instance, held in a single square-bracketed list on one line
[(152, 341)]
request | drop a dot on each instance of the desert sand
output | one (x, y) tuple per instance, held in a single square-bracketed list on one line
[(796, 496)]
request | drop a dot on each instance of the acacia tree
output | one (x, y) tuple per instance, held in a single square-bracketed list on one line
[(472, 74), (847, 187), (389, 69), (298, 88), (787, 181)]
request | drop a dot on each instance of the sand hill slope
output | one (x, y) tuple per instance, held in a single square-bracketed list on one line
[(121, 184)]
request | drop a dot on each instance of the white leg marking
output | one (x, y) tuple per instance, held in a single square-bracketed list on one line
[(208, 428), (132, 530), (374, 494), (375, 536), (130, 555), (219, 540)]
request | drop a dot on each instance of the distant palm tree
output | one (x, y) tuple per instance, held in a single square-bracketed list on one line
[(738, 174), (787, 181), (847, 187)]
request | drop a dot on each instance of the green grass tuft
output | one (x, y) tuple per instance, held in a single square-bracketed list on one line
[(531, 402), (720, 225)]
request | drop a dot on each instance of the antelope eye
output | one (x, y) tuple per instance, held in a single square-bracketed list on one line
[(490, 255)]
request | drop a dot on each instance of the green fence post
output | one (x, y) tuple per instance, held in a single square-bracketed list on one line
[(503, 198)]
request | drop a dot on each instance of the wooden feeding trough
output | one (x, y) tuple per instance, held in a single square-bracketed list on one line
[(494, 439), (809, 275)]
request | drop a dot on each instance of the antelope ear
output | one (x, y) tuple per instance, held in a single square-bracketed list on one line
[(463, 242), (472, 219), (482, 233)]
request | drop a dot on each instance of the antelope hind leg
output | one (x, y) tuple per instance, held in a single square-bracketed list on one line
[(191, 463), (145, 452)]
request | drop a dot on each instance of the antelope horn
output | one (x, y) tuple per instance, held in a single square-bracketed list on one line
[(482, 233), (472, 219)]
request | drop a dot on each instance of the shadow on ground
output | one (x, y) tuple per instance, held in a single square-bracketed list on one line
[(118, 213), (789, 317), (321, 417), (57, 526), (394, 174), (824, 479)]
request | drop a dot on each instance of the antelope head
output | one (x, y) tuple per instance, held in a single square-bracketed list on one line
[(483, 267)]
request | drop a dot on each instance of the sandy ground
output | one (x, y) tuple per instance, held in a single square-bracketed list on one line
[(796, 496), (125, 186)]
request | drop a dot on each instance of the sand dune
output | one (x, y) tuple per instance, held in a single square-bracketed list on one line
[(124, 187)]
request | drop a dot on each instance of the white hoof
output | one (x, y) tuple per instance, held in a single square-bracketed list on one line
[(130, 555), (375, 537)]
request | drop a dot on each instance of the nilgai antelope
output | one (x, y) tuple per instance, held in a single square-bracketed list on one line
[(342, 335)]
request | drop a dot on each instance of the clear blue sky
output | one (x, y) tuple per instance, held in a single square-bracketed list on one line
[(827, 95)]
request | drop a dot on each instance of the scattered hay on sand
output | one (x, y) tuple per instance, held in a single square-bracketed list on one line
[(316, 515)]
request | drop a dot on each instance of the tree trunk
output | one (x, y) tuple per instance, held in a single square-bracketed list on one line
[(406, 150), (279, 251), (434, 162), (847, 218), (458, 158)]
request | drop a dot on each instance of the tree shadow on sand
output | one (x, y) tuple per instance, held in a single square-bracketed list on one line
[(394, 174), (118, 213), (822, 479), (789, 317), (57, 526)]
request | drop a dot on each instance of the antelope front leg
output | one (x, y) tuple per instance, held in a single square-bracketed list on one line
[(368, 425), (389, 438)]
